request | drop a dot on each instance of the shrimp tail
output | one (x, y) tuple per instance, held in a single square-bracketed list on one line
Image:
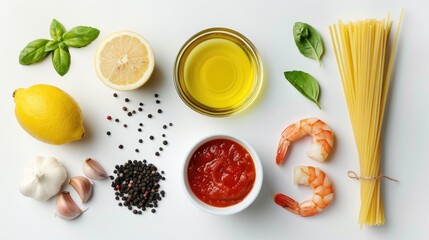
[(281, 150), (287, 203)]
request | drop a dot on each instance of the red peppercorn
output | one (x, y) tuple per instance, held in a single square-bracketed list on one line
[(109, 118), (117, 187)]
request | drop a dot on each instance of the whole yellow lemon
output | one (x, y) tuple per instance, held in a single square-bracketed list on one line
[(49, 114)]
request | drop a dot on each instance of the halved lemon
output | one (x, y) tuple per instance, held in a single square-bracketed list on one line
[(124, 61)]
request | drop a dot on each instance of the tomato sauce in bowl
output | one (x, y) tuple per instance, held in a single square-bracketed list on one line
[(221, 172)]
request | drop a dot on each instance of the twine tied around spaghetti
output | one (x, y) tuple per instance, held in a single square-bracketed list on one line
[(354, 175)]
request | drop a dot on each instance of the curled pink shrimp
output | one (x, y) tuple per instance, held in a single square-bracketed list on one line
[(323, 139), (323, 193)]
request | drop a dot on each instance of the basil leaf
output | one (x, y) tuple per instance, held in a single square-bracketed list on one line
[(80, 36), (57, 30), (33, 52), (308, 41), (51, 46), (306, 84), (61, 60)]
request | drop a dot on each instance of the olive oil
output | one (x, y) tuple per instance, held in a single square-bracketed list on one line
[(219, 74)]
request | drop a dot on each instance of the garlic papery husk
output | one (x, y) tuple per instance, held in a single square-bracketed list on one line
[(83, 187), (42, 178), (66, 207), (93, 170)]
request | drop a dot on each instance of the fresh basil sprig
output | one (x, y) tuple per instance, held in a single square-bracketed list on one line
[(306, 84), (77, 37), (308, 41)]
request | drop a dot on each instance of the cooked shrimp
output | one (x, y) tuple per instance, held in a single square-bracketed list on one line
[(323, 138), (322, 189)]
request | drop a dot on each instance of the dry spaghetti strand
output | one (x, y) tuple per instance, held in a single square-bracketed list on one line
[(365, 65)]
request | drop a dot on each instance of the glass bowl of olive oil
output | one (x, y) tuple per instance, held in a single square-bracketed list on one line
[(218, 72)]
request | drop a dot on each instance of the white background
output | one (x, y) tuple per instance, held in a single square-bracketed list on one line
[(167, 25)]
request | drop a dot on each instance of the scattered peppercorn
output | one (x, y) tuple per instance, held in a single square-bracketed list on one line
[(125, 125), (165, 126), (140, 109), (157, 154), (139, 129), (156, 95), (141, 104), (129, 114), (159, 111), (151, 137), (121, 146), (109, 118), (111, 177), (141, 124), (165, 142), (161, 149), (124, 108), (108, 133), (140, 140), (137, 150), (116, 120), (127, 100), (149, 115), (115, 95), (163, 135), (153, 210), (170, 124), (158, 102), (134, 112)]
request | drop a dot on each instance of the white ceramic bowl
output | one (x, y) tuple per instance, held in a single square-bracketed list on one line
[(251, 196)]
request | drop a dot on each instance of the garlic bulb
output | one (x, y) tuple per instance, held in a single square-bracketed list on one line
[(42, 178)]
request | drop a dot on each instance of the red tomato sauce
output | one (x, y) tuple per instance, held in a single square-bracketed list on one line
[(221, 173)]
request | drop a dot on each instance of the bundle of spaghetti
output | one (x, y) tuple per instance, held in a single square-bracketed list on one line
[(365, 65)]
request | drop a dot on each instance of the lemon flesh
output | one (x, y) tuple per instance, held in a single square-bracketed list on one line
[(49, 114), (124, 61)]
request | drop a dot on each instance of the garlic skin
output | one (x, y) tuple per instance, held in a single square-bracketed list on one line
[(93, 170), (42, 178), (83, 187), (66, 207)]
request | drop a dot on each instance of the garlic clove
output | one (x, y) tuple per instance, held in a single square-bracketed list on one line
[(66, 207), (93, 170), (83, 187)]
